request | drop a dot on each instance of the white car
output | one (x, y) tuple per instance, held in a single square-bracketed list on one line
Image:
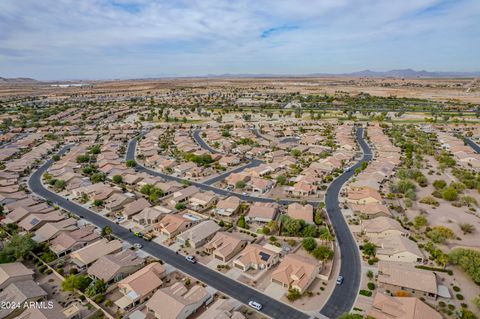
[(255, 305), (191, 259), (118, 220), (137, 246)]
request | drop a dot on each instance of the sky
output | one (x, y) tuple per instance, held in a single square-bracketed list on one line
[(108, 39)]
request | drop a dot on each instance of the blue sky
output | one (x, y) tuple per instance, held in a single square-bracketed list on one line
[(104, 39)]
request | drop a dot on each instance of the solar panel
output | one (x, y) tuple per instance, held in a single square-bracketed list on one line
[(264, 256), (34, 221)]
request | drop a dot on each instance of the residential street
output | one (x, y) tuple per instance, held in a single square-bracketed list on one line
[(342, 297)]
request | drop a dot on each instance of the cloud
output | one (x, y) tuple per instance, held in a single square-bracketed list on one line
[(277, 30), (52, 39)]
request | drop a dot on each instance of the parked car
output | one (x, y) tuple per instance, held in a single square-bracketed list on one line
[(255, 305), (137, 246), (191, 259), (339, 280), (120, 219)]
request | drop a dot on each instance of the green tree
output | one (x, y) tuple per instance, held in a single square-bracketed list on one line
[(309, 244), (99, 287), (241, 222), (60, 184), (322, 253), (117, 179), (19, 246), (180, 206), (106, 231), (97, 177), (95, 149), (281, 179), (240, 185), (83, 158), (98, 203), (318, 218), (73, 282), (369, 249), (131, 163)]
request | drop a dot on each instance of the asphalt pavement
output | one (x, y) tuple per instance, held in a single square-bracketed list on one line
[(473, 145)]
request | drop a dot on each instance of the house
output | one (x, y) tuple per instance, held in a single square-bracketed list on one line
[(386, 307), (382, 227), (303, 188), (181, 301), (199, 234), (234, 178), (398, 248), (229, 161), (172, 225), (183, 194), (51, 230), (262, 212), (114, 267), (183, 168), (20, 293), (13, 272), (296, 271), (256, 257), (151, 215), (89, 254), (298, 211), (140, 285), (21, 212), (405, 278), (168, 187), (69, 241), (224, 245), (364, 195), (35, 221), (222, 309), (227, 206), (117, 202), (260, 185), (135, 207), (371, 210), (203, 200)]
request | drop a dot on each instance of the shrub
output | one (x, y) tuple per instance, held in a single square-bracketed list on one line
[(456, 288), (371, 286), (449, 194), (364, 292), (309, 244), (459, 296), (293, 294), (429, 200)]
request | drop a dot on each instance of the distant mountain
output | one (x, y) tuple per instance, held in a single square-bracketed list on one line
[(17, 80), (400, 73), (409, 73)]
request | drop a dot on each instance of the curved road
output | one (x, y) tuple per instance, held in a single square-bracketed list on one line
[(340, 301), (473, 145), (343, 296), (243, 293), (199, 140)]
